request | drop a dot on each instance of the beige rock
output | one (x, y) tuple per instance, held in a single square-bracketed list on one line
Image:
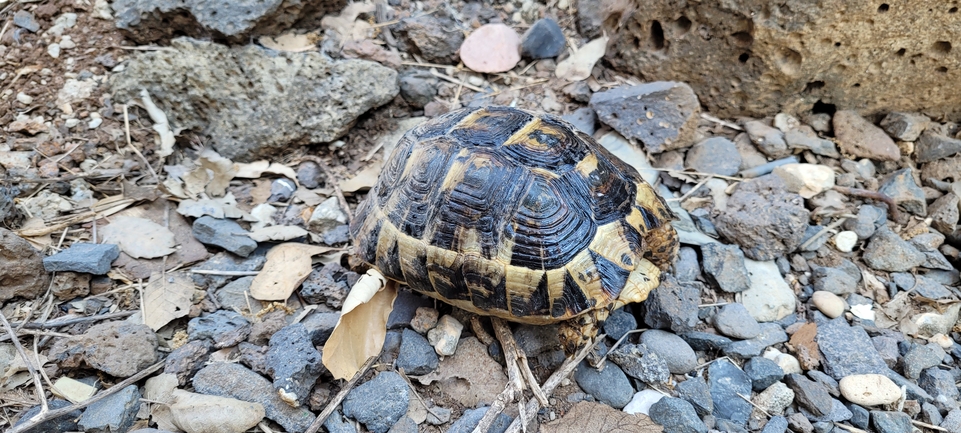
[(199, 413), (808, 180), (845, 241), (445, 335), (492, 48), (828, 303), (858, 137), (767, 56), (869, 389)]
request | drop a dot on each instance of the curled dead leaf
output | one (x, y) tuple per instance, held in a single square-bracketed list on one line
[(578, 66), (363, 180), (362, 326), (291, 42), (278, 233)]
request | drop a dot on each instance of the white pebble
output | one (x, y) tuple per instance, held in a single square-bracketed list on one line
[(642, 402), (828, 303), (94, 123), (445, 335), (944, 341), (845, 241), (24, 98), (70, 123), (788, 363), (54, 50), (869, 389), (67, 43)]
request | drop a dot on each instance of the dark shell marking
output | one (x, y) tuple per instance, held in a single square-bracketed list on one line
[(514, 214)]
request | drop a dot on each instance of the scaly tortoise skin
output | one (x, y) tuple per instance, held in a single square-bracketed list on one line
[(509, 213)]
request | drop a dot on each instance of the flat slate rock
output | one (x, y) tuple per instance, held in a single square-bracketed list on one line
[(81, 257), (726, 382), (847, 350)]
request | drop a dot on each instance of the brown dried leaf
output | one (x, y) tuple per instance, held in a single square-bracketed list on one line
[(362, 326), (578, 66), (588, 416), (805, 346), (140, 238), (363, 180), (167, 297), (220, 169), (278, 233), (256, 169), (287, 266)]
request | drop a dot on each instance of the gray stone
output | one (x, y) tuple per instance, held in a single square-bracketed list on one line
[(583, 119), (931, 414), (300, 97), (768, 139), (115, 413), (799, 423), (293, 362), (952, 421), (418, 88), (661, 115), (943, 170), (928, 244), (416, 355), (236, 381), (471, 417), (817, 243), (676, 415), (22, 273), (337, 235), (435, 38), (80, 257), (336, 423), (704, 341), (724, 266), (886, 251), (379, 402), (867, 221), (619, 323), (834, 280), (310, 175), (678, 355), (933, 146), (158, 20), (225, 234), (859, 137), (119, 349), (825, 380), (326, 216), (223, 328), (901, 187), (686, 268), (320, 325), (62, 423), (945, 213), (763, 218), (406, 425), (797, 139), (405, 306), (672, 306), (940, 384), (637, 361), (328, 285), (809, 394), (281, 190), (590, 15), (905, 126), (921, 357), (226, 262), (859, 416), (733, 320), (25, 20), (847, 350), (921, 285), (696, 391), (716, 155), (777, 424), (763, 372), (838, 412), (891, 422), (544, 39), (187, 360), (609, 386), (726, 382)]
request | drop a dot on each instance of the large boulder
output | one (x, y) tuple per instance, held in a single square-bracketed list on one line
[(758, 57), (253, 101)]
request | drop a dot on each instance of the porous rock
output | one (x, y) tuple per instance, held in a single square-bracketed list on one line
[(22, 273), (662, 115), (764, 218)]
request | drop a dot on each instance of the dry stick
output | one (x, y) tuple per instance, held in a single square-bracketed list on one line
[(126, 126), (817, 235), (926, 425), (319, 421), (56, 323), (509, 347), (893, 210), (416, 394), (26, 360), (41, 417), (225, 273), (552, 383), (711, 118)]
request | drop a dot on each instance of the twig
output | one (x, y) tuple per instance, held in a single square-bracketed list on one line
[(748, 400), (126, 127), (319, 421), (849, 428), (692, 190), (446, 77), (225, 273), (926, 425), (416, 394), (696, 173), (711, 118), (38, 386), (41, 417), (766, 168), (893, 210), (66, 321), (817, 235), (509, 347)]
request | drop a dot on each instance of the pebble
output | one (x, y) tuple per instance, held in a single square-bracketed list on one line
[(726, 382), (769, 298), (619, 323), (869, 218), (404, 425), (828, 303), (236, 381), (921, 357), (704, 341), (637, 361), (804, 140), (678, 355), (775, 398), (24, 98), (642, 402), (890, 422), (724, 265), (67, 43), (544, 39), (281, 190), (294, 363), (810, 394), (901, 187), (222, 327), (115, 413), (366, 403), (662, 115), (797, 422), (226, 262), (672, 306), (54, 50), (405, 307), (327, 216), (431, 37), (733, 320), (676, 415), (696, 391), (25, 20), (23, 272), (869, 389), (847, 350), (716, 155), (886, 251), (905, 126), (328, 285), (416, 356), (119, 349), (952, 421), (94, 123), (184, 361), (425, 319), (940, 384), (81, 257), (763, 372), (933, 146), (70, 123), (922, 285), (610, 385), (839, 412), (445, 335), (768, 139), (776, 424), (491, 49), (860, 138), (225, 234), (764, 218), (808, 180), (845, 241), (583, 119), (471, 417), (62, 423)]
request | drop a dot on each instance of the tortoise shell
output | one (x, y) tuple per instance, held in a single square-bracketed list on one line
[(515, 214)]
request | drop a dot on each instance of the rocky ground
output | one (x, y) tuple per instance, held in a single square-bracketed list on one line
[(175, 185)]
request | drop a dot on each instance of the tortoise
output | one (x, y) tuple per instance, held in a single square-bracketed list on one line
[(515, 214)]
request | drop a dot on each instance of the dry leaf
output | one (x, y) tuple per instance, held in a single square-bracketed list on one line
[(287, 266), (362, 326), (210, 413), (256, 169), (160, 124), (805, 346), (140, 238), (167, 297), (308, 197), (589, 416), (264, 213), (223, 207), (220, 169), (72, 389), (291, 42), (363, 180), (278, 233), (346, 24), (160, 388), (578, 66)]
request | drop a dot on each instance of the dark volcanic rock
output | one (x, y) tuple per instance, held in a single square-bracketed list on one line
[(764, 218), (662, 115)]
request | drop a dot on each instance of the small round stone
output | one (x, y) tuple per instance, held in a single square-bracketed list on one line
[(491, 49), (845, 241), (828, 303), (733, 320), (944, 341), (869, 389)]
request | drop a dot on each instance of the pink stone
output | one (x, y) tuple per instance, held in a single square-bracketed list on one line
[(492, 48)]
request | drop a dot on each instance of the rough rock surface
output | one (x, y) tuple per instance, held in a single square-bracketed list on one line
[(767, 57), (662, 115), (764, 219), (155, 20), (300, 97), (22, 273), (120, 349)]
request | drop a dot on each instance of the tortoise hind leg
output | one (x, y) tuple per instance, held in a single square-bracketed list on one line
[(581, 330)]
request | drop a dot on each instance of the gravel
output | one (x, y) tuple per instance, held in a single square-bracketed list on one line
[(609, 386), (678, 355), (379, 402), (726, 382), (733, 320), (677, 415), (416, 356)]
